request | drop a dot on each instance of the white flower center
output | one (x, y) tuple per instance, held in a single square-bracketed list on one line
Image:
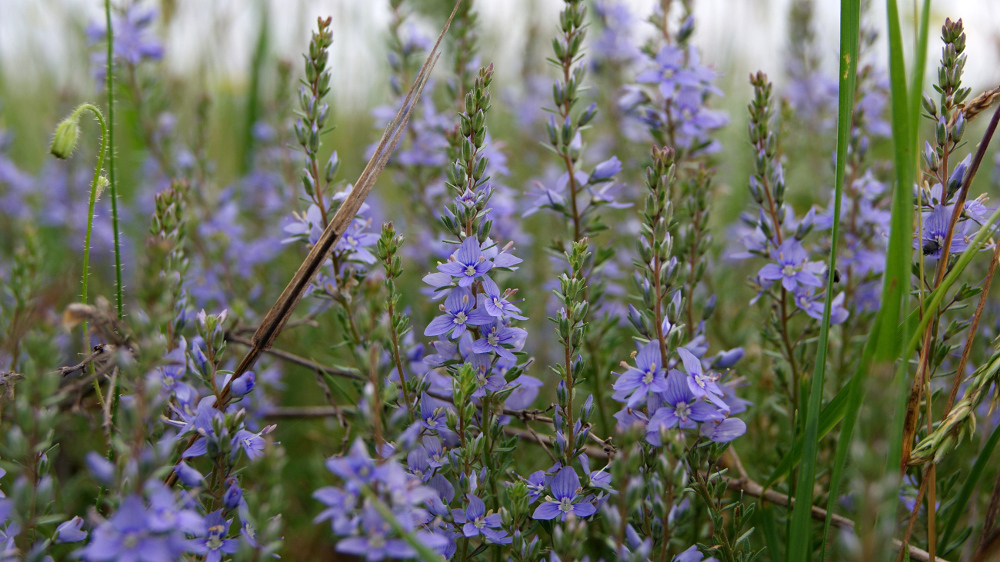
[(682, 411), (460, 318), (565, 505), (470, 270)]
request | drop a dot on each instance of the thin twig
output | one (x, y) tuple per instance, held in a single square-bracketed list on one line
[(100, 352), (298, 360)]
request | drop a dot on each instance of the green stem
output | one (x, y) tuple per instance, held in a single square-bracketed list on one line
[(90, 221), (112, 188), (111, 164)]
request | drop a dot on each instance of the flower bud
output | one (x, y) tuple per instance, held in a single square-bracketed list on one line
[(243, 384), (70, 531), (66, 135)]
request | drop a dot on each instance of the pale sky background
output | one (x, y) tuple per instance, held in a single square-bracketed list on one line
[(736, 36)]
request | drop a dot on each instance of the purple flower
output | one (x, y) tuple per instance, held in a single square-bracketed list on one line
[(100, 468), (133, 41), (680, 409), (458, 312), (495, 303), (251, 443), (726, 359), (701, 384), (813, 306), (565, 498), (308, 225), (187, 475), (793, 267), (693, 555), (936, 228), (355, 241), (724, 431), (432, 413), (437, 456), (127, 537), (243, 385), (467, 263), (71, 531), (233, 496), (475, 521), (670, 72), (500, 339), (645, 378), (487, 377), (376, 543), (357, 465), (340, 504), (212, 541), (606, 170)]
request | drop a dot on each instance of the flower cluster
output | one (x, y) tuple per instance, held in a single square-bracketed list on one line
[(378, 507), (659, 395), (777, 236), (133, 38), (671, 94)]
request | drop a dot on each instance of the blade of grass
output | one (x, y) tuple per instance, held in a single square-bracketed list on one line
[(253, 96), (957, 509), (828, 419), (765, 517), (801, 535), (904, 143)]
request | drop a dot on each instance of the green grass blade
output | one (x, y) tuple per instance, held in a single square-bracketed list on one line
[(801, 525), (919, 67), (957, 509), (768, 527), (898, 260), (253, 96), (828, 419)]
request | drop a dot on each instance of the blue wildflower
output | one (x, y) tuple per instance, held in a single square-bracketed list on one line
[(467, 263), (680, 408), (645, 378), (793, 267), (475, 521), (212, 541), (127, 536), (500, 339), (565, 498), (458, 312)]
